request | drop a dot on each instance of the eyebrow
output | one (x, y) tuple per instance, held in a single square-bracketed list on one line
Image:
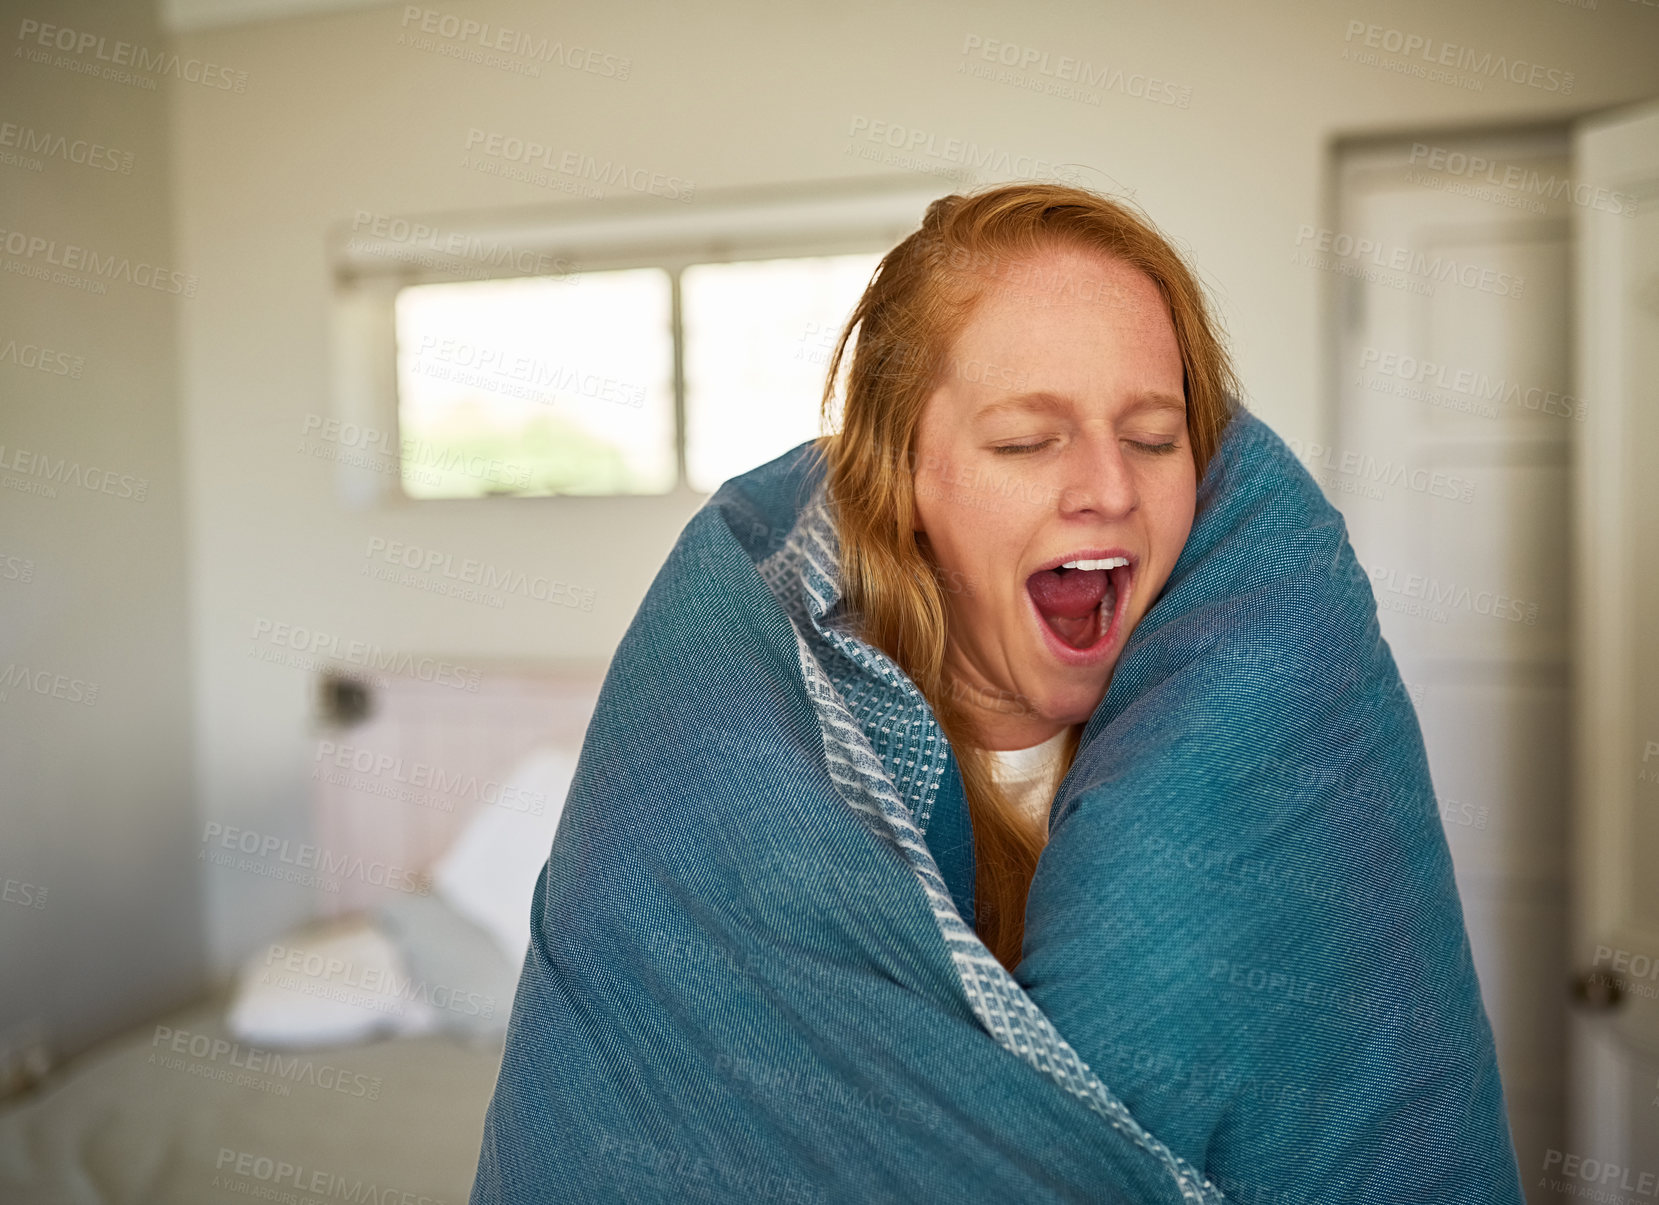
[(1042, 399)]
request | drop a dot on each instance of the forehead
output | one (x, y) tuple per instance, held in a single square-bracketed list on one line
[(1060, 274), (1067, 320)]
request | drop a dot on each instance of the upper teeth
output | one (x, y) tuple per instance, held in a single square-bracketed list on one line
[(1111, 562)]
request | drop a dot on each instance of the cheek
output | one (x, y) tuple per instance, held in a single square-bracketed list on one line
[(936, 506), (960, 543), (962, 511), (941, 517), (1171, 503), (934, 486)]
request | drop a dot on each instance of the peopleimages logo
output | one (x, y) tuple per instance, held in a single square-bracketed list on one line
[(16, 568), (37, 469), (28, 141), (263, 1176), (1435, 593), (42, 359), (253, 1066), (531, 154), (302, 969), (1436, 53), (125, 54), (1481, 387), (501, 370), (482, 574), (46, 682), (1598, 1172), (405, 240), (1387, 472), (1437, 267), (959, 154), (316, 645), (72, 257), (393, 771), (308, 864), (386, 452), (536, 48), (1065, 76), (1524, 180), (25, 895)]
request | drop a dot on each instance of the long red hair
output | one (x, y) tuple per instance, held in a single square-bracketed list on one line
[(906, 322)]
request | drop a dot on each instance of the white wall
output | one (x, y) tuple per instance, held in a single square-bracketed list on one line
[(100, 914), (339, 116)]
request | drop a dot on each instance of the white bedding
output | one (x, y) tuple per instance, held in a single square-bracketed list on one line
[(169, 1112), (418, 964), (353, 1060)]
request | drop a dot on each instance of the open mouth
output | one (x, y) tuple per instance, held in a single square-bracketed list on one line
[(1078, 601)]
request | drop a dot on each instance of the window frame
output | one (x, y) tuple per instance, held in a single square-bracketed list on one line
[(859, 216)]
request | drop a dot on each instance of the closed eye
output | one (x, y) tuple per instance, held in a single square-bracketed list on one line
[(1157, 449)]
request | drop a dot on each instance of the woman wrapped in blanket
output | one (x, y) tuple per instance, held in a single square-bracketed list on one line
[(1064, 831)]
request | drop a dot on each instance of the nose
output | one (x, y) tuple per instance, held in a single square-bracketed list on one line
[(1097, 479)]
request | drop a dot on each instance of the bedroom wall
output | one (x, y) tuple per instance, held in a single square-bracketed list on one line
[(100, 912), (351, 111)]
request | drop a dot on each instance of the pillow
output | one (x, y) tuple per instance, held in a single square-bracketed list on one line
[(457, 966), (329, 985), (489, 874), (446, 962)]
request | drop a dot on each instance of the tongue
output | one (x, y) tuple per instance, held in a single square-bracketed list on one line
[(1067, 601)]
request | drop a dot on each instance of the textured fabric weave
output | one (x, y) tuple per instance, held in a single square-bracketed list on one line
[(753, 973)]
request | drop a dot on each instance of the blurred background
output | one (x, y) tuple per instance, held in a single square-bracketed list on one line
[(360, 363)]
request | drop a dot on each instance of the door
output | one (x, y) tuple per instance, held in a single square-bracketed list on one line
[(1449, 260), (1614, 1047)]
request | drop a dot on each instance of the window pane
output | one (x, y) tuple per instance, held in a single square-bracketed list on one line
[(537, 386), (758, 338)]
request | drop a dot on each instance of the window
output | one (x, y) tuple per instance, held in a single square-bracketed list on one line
[(565, 385), (758, 338), (540, 385), (667, 353)]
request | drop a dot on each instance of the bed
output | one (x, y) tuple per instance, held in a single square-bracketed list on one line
[(135, 1120), (353, 1057)]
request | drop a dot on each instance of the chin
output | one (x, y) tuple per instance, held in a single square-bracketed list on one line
[(1076, 705)]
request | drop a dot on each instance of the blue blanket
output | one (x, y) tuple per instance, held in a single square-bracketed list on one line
[(753, 974)]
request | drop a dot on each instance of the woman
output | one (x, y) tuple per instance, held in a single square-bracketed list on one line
[(1052, 437), (794, 939)]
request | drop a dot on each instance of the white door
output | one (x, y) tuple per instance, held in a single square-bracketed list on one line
[(1449, 264), (1614, 1050)]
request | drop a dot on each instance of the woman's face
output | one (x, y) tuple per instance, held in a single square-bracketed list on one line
[(1058, 435)]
